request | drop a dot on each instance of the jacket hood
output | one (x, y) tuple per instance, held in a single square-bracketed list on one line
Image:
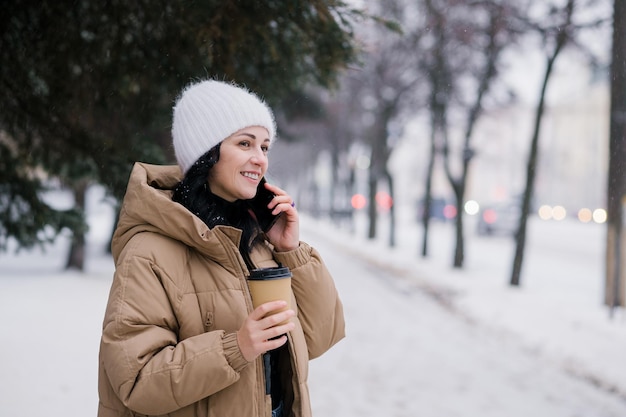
[(148, 207)]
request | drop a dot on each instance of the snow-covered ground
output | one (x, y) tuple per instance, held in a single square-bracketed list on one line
[(524, 351), (412, 350), (558, 309), (51, 327)]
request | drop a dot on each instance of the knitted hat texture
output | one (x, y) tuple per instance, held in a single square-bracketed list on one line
[(208, 112)]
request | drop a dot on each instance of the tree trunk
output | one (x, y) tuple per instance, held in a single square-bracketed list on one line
[(615, 290), (520, 238), (459, 249), (379, 155), (333, 210), (371, 209), (76, 256), (459, 186), (392, 210), (428, 191)]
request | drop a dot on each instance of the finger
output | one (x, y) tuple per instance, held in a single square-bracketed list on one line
[(281, 196), (268, 307), (274, 332), (276, 319), (282, 204), (275, 343), (276, 190)]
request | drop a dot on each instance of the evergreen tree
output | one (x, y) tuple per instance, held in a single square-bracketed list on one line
[(87, 87)]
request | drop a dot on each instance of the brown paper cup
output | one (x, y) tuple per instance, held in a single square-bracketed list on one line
[(270, 284)]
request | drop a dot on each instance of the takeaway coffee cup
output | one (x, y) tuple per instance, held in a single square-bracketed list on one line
[(270, 284)]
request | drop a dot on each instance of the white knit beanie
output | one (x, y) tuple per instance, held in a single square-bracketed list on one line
[(208, 112)]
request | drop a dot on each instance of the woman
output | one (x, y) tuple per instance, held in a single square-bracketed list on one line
[(180, 336)]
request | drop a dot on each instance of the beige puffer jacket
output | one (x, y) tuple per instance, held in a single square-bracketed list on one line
[(178, 296)]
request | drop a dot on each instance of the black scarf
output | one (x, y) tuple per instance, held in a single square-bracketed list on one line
[(194, 194)]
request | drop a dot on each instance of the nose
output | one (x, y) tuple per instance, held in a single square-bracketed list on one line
[(259, 157)]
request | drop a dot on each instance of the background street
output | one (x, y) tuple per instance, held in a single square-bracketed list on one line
[(422, 339), (409, 352)]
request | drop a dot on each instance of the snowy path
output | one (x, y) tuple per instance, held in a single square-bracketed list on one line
[(408, 355)]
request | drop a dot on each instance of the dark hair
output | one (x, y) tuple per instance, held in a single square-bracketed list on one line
[(194, 193)]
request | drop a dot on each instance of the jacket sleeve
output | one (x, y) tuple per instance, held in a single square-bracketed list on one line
[(150, 370), (319, 308)]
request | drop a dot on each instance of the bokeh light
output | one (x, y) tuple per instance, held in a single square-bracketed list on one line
[(449, 211), (585, 215), (384, 200), (358, 201), (471, 207), (599, 215), (559, 212), (490, 216)]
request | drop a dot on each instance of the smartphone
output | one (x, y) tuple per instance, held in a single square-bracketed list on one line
[(259, 203)]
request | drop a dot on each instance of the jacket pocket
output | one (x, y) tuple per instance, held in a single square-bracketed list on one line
[(208, 321)]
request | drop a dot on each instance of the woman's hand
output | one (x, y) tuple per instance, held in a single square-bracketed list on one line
[(256, 335), (285, 234)]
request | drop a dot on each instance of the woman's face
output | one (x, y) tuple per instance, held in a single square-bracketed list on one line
[(242, 163)]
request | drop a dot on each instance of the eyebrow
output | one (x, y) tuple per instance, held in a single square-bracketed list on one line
[(250, 135)]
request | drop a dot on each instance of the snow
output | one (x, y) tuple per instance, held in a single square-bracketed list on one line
[(556, 347), (524, 351)]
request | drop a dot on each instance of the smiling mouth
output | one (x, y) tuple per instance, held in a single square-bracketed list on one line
[(250, 175)]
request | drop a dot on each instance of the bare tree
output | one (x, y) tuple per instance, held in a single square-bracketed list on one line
[(615, 292), (383, 87), (557, 28), (464, 52), (439, 75), (496, 36)]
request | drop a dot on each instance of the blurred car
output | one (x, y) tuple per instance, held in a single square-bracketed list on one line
[(440, 209), (501, 219)]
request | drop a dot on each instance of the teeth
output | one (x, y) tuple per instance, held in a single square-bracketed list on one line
[(251, 175)]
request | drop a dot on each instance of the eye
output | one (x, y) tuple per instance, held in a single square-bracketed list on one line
[(265, 148), (244, 143)]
